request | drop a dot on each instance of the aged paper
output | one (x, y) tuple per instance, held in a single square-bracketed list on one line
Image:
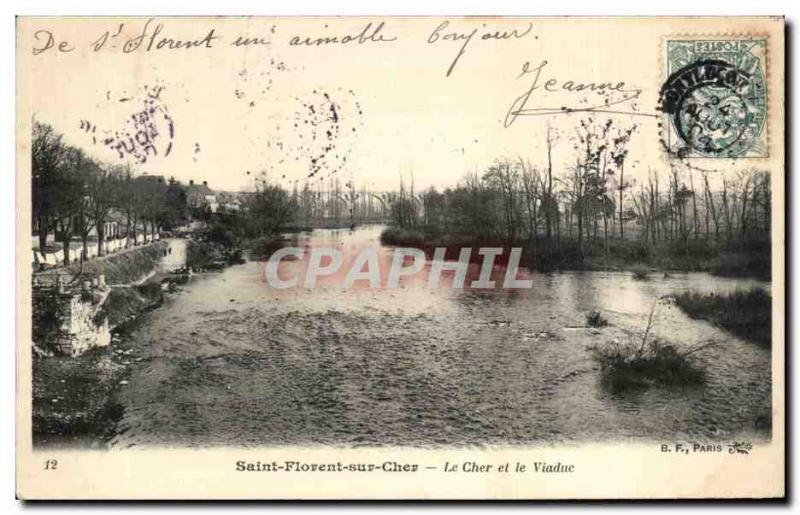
[(400, 258)]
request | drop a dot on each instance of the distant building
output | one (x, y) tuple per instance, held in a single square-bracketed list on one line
[(201, 196), (114, 226), (230, 201)]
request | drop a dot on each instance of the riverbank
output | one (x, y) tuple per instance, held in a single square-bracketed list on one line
[(75, 397), (73, 401), (125, 267), (746, 314), (201, 255), (72, 393), (75, 307), (305, 226), (751, 260)]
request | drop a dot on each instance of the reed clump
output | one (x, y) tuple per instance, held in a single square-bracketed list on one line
[(596, 319), (648, 361)]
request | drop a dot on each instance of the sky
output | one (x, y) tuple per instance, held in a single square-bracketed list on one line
[(367, 111)]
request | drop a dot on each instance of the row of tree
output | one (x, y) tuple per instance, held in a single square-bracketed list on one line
[(593, 199), (73, 195)]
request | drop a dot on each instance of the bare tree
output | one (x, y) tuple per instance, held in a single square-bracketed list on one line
[(47, 158)]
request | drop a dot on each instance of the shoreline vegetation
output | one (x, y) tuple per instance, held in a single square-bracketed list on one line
[(73, 407), (745, 314), (592, 217), (722, 259), (596, 214), (626, 367), (645, 360)]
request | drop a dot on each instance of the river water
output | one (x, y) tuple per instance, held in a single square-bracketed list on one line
[(231, 361)]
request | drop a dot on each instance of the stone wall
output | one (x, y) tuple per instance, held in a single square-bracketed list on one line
[(74, 311), (80, 331), (68, 320), (110, 247)]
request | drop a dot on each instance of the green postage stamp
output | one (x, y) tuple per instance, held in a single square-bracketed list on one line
[(715, 98)]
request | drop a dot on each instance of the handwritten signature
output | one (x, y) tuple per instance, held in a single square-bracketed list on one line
[(616, 97)]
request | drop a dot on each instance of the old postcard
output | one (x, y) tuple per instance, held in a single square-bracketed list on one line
[(400, 258)]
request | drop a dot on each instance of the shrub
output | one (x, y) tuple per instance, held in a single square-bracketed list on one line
[(742, 264), (262, 248), (640, 272), (631, 250), (394, 235), (236, 257), (201, 255), (656, 363), (552, 255), (692, 248), (648, 362), (221, 235), (595, 319), (747, 314)]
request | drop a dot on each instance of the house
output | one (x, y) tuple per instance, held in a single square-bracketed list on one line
[(230, 201), (201, 196), (117, 235)]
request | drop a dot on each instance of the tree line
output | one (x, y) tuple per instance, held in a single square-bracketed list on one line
[(74, 194), (593, 201)]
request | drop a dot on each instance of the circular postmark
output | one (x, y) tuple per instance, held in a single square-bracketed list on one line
[(147, 132), (715, 109)]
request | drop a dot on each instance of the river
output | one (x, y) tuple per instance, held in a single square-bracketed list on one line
[(230, 361)]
